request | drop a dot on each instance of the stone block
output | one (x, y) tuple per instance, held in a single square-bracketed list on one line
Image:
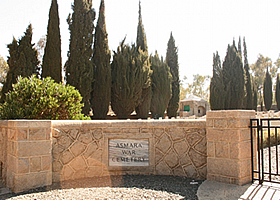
[(67, 157), (35, 164), (67, 173), (23, 166), (11, 134), (245, 168), (210, 149), (78, 164), (91, 148), (85, 137), (131, 130), (171, 159), (29, 181), (197, 158), (201, 146), (191, 172), (220, 123), (146, 130), (245, 149), (245, 134), (12, 164), (11, 146), (38, 134), (38, 148), (112, 130), (222, 149), (164, 143), (22, 134), (78, 148), (193, 138), (94, 171), (46, 163), (97, 133), (162, 169), (181, 147), (176, 133), (223, 167), (57, 166)]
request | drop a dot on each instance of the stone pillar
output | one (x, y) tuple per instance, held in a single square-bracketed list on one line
[(29, 161), (229, 146)]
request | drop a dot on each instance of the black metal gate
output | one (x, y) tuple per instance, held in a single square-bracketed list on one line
[(265, 140)]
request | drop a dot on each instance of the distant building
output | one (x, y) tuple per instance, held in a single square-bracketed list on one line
[(193, 106)]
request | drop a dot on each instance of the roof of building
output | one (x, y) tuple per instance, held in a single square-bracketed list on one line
[(193, 98)]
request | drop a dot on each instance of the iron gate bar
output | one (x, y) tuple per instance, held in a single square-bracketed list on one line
[(276, 138), (260, 126)]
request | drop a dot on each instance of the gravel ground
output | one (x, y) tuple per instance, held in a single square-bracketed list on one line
[(116, 187), (273, 162)]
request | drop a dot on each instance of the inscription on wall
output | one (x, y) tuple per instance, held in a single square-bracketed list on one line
[(128, 152)]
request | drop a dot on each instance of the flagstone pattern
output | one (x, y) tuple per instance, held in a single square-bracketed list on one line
[(81, 150)]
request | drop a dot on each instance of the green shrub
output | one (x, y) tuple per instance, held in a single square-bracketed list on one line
[(33, 98)]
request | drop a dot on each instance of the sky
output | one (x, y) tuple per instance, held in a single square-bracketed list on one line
[(199, 27)]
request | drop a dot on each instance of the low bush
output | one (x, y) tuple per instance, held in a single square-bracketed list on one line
[(33, 98)]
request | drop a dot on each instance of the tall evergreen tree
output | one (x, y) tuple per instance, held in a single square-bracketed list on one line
[(52, 56), (233, 79), (79, 67), (248, 101), (143, 108), (217, 91), (101, 94), (22, 61), (161, 86), (239, 47), (255, 98), (127, 79), (267, 91), (172, 62)]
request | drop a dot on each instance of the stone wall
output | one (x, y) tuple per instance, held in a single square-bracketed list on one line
[(39, 153), (3, 151), (176, 147)]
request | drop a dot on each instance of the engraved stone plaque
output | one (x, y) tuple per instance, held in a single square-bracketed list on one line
[(128, 152)]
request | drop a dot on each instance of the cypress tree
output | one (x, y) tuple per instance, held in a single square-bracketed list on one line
[(267, 91), (79, 67), (255, 98), (172, 62), (52, 57), (22, 61), (233, 79), (239, 47), (277, 92), (248, 102), (101, 94), (217, 97), (28, 55), (143, 108), (127, 79), (161, 86)]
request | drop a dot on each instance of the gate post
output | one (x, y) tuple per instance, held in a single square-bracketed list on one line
[(229, 146), (29, 158)]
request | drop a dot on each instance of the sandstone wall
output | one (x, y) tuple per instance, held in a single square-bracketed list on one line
[(176, 147), (3, 151), (28, 154), (229, 146)]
